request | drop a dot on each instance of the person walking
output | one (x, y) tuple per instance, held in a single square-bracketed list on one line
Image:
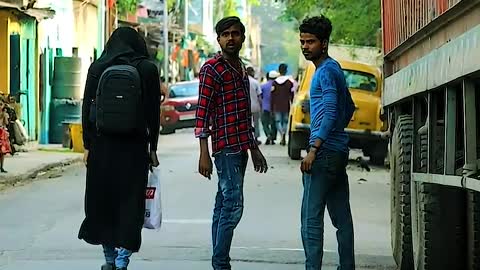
[(282, 96), (268, 118), (224, 114), (255, 102), (5, 146), (121, 123), (325, 178)]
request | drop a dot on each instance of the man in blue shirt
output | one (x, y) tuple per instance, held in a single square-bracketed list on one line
[(325, 177)]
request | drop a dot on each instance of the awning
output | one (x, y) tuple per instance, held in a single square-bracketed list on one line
[(37, 13)]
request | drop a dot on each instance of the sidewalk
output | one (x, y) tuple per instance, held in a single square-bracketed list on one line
[(27, 165)]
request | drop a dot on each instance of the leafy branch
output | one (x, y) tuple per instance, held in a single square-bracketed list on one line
[(126, 6), (355, 22)]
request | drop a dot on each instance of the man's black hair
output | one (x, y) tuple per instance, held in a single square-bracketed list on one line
[(283, 68), (228, 22), (320, 26), (251, 71)]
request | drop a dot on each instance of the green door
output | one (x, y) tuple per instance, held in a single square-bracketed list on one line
[(15, 66), (28, 89)]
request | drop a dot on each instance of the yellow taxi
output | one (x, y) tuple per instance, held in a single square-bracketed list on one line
[(366, 129)]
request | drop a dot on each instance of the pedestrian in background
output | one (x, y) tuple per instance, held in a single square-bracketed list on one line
[(255, 102), (282, 96), (118, 162), (268, 118), (5, 147), (224, 114), (325, 179)]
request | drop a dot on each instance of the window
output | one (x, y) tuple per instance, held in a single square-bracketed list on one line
[(360, 80), (183, 90)]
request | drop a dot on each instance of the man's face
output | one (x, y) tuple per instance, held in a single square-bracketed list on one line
[(312, 47), (231, 40)]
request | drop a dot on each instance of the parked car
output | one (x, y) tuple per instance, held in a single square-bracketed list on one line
[(179, 107), (366, 128)]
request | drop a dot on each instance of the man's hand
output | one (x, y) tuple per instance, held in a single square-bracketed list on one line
[(153, 160), (85, 156), (307, 162), (259, 161), (205, 166)]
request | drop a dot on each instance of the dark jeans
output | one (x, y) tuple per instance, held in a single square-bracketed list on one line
[(228, 210), (269, 125), (327, 185)]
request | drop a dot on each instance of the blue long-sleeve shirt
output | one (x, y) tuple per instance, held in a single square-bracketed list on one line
[(331, 107)]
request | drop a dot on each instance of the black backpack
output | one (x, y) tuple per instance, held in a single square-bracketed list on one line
[(119, 101)]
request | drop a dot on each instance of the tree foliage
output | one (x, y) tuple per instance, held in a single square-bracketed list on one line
[(126, 6), (129, 6), (355, 22), (225, 8)]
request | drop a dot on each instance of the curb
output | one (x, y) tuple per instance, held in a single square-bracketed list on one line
[(33, 174)]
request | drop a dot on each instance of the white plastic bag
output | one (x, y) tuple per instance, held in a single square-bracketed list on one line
[(20, 133), (153, 202)]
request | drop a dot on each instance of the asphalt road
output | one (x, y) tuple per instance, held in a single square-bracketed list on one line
[(39, 222)]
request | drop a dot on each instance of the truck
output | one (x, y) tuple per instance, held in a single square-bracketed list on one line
[(431, 102)]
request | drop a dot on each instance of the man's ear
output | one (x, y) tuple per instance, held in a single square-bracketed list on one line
[(218, 39), (244, 38)]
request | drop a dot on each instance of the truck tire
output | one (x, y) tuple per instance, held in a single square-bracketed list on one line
[(294, 142), (400, 161), (438, 219), (473, 230)]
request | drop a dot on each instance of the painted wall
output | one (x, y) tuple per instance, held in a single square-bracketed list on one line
[(86, 34), (9, 24), (75, 25), (29, 75), (4, 54)]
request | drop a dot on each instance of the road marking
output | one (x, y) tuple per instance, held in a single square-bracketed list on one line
[(278, 249)]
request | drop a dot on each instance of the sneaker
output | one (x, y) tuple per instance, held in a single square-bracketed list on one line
[(268, 142), (108, 266)]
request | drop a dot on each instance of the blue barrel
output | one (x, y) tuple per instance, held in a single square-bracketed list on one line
[(63, 111), (67, 78)]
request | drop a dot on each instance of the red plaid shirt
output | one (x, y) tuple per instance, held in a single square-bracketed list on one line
[(224, 105)]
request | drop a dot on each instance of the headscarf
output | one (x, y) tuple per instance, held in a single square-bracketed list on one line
[(124, 43)]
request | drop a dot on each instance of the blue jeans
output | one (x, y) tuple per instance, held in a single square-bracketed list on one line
[(281, 120), (327, 185), (228, 210), (119, 257)]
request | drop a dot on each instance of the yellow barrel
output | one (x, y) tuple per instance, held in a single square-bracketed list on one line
[(76, 133)]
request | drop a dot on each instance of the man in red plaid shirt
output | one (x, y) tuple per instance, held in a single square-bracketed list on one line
[(224, 114)]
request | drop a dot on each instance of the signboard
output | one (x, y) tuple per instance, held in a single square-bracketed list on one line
[(154, 10)]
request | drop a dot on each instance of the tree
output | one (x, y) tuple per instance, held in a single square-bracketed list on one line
[(126, 6), (225, 8), (354, 22), (129, 6)]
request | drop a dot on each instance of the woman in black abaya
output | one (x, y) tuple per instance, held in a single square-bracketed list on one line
[(117, 166)]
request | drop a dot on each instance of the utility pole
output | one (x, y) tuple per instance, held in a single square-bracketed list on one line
[(101, 26), (185, 21), (186, 33), (165, 41)]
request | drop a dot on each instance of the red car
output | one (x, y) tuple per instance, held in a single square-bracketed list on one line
[(178, 109)]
